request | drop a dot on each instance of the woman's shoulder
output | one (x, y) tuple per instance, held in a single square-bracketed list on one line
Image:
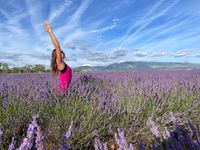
[(64, 69)]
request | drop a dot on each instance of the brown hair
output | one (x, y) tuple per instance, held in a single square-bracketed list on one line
[(54, 68)]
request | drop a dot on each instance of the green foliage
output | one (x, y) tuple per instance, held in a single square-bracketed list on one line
[(77, 70), (4, 68)]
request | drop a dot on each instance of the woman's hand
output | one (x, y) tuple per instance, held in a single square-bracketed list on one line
[(47, 27)]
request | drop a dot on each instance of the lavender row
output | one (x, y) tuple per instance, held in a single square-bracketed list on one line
[(176, 138), (99, 103)]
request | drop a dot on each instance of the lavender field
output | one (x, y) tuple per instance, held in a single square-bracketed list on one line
[(115, 111)]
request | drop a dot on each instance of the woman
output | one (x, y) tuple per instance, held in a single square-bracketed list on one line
[(58, 66)]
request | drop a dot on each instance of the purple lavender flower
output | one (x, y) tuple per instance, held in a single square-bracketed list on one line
[(1, 137), (24, 145), (194, 133), (40, 144), (173, 118), (28, 142), (178, 138), (100, 146), (68, 133), (13, 144), (65, 136), (121, 141), (141, 147), (153, 128), (34, 138)]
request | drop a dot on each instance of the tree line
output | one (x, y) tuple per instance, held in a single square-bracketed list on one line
[(4, 68), (37, 68)]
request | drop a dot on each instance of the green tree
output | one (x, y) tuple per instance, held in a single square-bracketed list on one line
[(3, 67), (39, 68), (16, 70), (77, 70), (28, 68)]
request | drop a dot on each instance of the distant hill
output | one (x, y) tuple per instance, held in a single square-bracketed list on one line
[(141, 66)]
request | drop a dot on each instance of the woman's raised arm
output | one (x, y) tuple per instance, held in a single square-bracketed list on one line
[(48, 28)]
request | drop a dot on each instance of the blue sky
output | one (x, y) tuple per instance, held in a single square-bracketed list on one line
[(100, 32)]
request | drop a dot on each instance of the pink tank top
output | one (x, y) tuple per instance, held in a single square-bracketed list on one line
[(65, 78)]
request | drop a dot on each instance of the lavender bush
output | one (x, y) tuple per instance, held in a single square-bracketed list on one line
[(179, 138), (112, 108)]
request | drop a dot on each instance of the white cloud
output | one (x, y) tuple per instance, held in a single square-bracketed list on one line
[(158, 53), (56, 12), (71, 28), (35, 13), (171, 28), (21, 59), (13, 36), (107, 27), (140, 21), (182, 53), (87, 65), (140, 53), (80, 11), (151, 19)]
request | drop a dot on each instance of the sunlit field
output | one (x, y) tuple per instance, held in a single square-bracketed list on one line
[(124, 111)]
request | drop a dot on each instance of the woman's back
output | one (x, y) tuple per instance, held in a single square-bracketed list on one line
[(65, 76)]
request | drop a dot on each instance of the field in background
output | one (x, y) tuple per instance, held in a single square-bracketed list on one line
[(100, 105)]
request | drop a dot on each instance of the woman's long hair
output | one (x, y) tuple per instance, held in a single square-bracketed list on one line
[(54, 68)]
